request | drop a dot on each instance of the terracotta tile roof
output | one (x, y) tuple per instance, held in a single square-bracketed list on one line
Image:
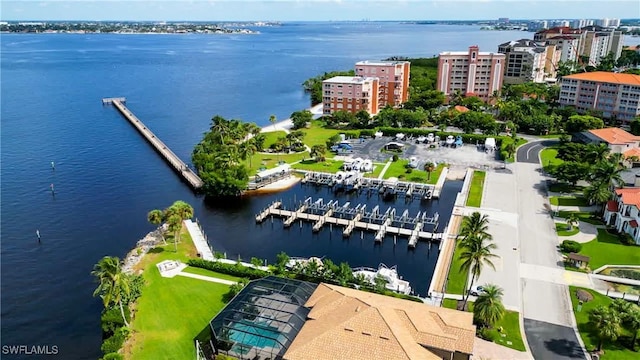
[(633, 223), (615, 135), (351, 324), (460, 108), (612, 206), (629, 196), (632, 152), (608, 77)]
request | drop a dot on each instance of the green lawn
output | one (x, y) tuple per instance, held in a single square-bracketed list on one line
[(398, 169), (271, 160), (582, 216), (475, 191), (271, 137), (317, 134), (568, 201), (456, 279), (611, 351), (171, 311), (607, 250), (565, 188), (512, 158), (510, 324), (548, 157), (324, 166), (561, 229), (550, 136), (377, 169)]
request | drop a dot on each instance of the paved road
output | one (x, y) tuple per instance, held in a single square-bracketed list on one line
[(546, 305), (528, 153)]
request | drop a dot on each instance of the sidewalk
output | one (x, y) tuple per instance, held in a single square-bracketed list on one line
[(199, 241), (207, 278), (587, 231)]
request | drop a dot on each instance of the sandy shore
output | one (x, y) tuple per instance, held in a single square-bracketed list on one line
[(286, 124), (277, 186)]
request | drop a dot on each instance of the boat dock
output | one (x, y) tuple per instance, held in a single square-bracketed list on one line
[(178, 165), (351, 218), (388, 187)]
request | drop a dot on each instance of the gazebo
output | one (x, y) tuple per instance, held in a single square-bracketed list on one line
[(578, 260)]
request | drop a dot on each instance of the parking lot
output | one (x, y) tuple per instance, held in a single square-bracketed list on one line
[(469, 155)]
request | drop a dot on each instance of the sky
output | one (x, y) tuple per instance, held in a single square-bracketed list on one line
[(314, 10)]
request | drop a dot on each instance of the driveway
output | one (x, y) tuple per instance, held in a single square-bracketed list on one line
[(528, 153), (549, 341)]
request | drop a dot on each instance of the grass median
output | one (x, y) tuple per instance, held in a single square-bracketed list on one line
[(475, 191)]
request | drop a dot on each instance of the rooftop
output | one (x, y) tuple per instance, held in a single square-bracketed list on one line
[(522, 43), (380, 62), (349, 80), (480, 53), (614, 135), (629, 196), (608, 77), (351, 324)]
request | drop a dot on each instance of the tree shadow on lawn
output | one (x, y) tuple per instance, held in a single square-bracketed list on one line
[(623, 343), (156, 250), (564, 347)]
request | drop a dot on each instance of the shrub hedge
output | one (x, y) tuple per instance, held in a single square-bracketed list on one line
[(229, 269), (570, 246)]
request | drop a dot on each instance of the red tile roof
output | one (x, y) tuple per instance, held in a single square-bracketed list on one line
[(632, 152), (612, 206), (462, 109), (615, 135), (629, 196), (633, 223), (607, 77)]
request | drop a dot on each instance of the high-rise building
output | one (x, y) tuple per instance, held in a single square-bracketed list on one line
[(525, 61), (350, 93), (471, 72), (393, 77), (614, 94), (592, 42)]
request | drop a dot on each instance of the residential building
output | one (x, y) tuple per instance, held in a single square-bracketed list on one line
[(537, 25), (616, 95), (617, 140), (351, 324), (350, 93), (552, 58), (623, 212), (599, 42), (471, 72), (393, 80), (525, 61)]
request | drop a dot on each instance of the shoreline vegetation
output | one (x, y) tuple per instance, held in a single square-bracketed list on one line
[(125, 27)]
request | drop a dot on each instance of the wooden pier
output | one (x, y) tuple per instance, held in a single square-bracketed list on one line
[(351, 218), (178, 165)]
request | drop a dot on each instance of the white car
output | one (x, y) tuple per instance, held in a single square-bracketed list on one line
[(476, 290)]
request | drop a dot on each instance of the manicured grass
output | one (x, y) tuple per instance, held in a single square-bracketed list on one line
[(271, 160), (205, 272), (512, 158), (510, 324), (612, 351), (475, 191), (565, 188), (607, 250), (171, 311), (324, 166), (377, 169), (317, 134), (398, 169), (568, 201), (456, 279), (271, 137), (548, 157), (582, 216), (561, 229), (550, 136)]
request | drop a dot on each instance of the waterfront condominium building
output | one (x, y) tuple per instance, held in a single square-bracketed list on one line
[(471, 72), (592, 42), (614, 94), (393, 80), (350, 93), (525, 61)]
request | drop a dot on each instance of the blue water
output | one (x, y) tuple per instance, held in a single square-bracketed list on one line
[(107, 177)]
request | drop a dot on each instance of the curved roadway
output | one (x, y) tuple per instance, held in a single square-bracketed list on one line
[(547, 310)]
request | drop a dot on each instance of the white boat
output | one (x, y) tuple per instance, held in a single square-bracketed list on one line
[(301, 261), (450, 140), (421, 139), (394, 282), (413, 162), (339, 178), (430, 137), (367, 166), (399, 136)]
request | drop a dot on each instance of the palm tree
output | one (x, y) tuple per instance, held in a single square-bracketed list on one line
[(272, 120), (247, 149), (607, 172), (510, 149), (631, 321), (175, 226), (476, 252), (488, 308), (317, 151), (474, 225), (177, 213), (113, 283), (219, 125), (344, 274), (572, 219), (597, 193), (429, 167), (156, 217), (606, 323)]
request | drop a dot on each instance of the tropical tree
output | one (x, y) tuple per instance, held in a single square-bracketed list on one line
[(476, 252), (429, 167), (572, 220), (380, 284), (272, 120), (474, 225), (318, 151), (488, 308), (607, 172), (344, 274), (175, 226), (281, 262), (510, 149), (156, 217), (301, 118), (597, 193), (113, 283), (631, 321), (247, 149), (606, 323)]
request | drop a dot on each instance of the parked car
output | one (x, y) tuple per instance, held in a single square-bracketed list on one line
[(476, 290)]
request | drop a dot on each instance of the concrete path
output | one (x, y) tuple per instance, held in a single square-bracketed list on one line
[(286, 125), (486, 350), (587, 231), (198, 240), (206, 278), (384, 170), (590, 208)]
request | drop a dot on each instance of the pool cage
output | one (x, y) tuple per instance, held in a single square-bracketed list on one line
[(261, 321)]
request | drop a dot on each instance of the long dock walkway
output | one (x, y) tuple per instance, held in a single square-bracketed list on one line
[(178, 165)]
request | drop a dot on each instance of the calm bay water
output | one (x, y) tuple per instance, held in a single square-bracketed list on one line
[(107, 177)]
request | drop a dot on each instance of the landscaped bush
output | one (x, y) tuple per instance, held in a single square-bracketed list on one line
[(626, 239), (466, 138), (230, 269), (114, 343), (394, 158), (485, 333), (111, 320), (113, 356), (368, 132), (570, 246)]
